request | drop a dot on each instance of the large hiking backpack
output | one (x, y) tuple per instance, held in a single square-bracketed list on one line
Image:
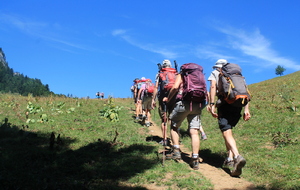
[(149, 89), (140, 83), (194, 84), (232, 85), (167, 78)]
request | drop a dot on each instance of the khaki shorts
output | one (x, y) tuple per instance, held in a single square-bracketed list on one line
[(182, 110), (147, 103)]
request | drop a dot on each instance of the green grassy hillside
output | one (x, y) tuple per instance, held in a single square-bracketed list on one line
[(91, 152)]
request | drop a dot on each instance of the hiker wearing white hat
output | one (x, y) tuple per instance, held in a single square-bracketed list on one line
[(228, 117), (220, 63)]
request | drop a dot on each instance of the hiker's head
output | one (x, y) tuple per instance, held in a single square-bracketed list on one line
[(220, 63), (143, 79), (166, 63)]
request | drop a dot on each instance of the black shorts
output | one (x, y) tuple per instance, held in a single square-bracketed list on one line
[(228, 116)]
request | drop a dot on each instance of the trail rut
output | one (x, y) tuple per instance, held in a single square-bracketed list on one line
[(218, 177)]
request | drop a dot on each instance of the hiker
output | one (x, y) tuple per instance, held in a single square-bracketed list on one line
[(187, 106), (228, 116), (134, 91), (145, 98), (102, 95), (164, 81), (138, 110), (98, 95)]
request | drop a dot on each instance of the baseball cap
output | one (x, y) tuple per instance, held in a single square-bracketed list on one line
[(166, 63), (220, 63)]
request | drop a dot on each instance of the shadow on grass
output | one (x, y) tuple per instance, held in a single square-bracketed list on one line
[(27, 162), (213, 159)]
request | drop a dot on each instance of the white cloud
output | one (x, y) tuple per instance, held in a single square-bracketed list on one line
[(118, 32), (209, 52), (22, 24), (160, 49), (40, 30), (256, 45)]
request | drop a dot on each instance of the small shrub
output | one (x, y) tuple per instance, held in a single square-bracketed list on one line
[(111, 111), (282, 139)]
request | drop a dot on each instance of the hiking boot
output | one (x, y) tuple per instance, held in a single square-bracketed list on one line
[(143, 118), (147, 124), (239, 163), (175, 154), (228, 164), (194, 163)]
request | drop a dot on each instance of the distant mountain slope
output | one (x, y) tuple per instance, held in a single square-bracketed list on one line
[(14, 82)]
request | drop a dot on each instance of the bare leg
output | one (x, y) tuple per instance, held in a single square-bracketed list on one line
[(195, 141), (230, 143)]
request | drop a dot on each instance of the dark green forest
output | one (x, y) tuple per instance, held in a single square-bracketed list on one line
[(14, 82)]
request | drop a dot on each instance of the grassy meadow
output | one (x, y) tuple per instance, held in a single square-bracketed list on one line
[(65, 143)]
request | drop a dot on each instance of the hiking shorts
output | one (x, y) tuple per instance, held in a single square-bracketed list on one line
[(161, 108), (228, 116), (147, 103), (182, 110)]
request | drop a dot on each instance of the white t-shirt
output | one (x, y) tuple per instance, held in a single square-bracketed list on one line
[(214, 76)]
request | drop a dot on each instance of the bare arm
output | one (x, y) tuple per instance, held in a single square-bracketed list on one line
[(247, 114), (213, 91), (174, 89), (139, 94), (154, 95), (212, 95)]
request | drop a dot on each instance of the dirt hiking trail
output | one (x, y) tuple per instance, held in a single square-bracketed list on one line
[(218, 177)]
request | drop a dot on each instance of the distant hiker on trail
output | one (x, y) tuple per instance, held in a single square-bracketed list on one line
[(134, 91), (164, 81), (98, 95), (138, 110), (102, 95), (145, 97), (228, 114), (190, 87)]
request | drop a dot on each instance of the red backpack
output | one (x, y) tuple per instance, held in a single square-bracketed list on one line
[(194, 84), (167, 78)]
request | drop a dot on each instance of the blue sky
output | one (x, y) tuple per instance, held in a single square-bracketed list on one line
[(81, 47)]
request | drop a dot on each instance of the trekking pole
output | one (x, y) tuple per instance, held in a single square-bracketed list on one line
[(159, 66), (164, 132), (175, 63)]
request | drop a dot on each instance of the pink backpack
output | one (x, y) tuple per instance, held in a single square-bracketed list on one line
[(148, 92)]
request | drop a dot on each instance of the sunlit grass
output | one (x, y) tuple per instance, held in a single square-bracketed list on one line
[(95, 153)]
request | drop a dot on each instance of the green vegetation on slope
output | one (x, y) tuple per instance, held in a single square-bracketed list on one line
[(13, 82), (64, 143)]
